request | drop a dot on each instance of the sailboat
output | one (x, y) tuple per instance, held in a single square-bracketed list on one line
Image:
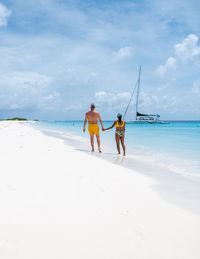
[(140, 117)]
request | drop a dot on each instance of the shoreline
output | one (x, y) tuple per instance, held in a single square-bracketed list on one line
[(174, 155), (60, 202), (173, 186)]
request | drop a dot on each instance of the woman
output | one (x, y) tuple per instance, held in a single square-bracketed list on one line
[(119, 133)]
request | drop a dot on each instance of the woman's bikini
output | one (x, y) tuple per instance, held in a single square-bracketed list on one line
[(120, 132)]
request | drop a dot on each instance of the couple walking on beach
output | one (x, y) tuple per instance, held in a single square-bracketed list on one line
[(92, 117)]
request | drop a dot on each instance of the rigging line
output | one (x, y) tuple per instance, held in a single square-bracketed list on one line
[(130, 99)]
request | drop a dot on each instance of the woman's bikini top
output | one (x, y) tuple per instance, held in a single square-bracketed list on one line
[(118, 125)]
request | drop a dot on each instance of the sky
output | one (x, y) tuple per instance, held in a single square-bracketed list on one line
[(59, 56)]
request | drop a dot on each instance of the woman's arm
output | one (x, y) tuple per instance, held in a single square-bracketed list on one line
[(111, 126)]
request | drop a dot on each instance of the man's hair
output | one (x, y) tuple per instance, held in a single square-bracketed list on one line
[(92, 105)]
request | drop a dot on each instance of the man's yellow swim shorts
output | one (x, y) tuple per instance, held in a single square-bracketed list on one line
[(93, 129)]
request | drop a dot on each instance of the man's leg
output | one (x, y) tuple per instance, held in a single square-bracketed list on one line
[(92, 141), (98, 143), (117, 142)]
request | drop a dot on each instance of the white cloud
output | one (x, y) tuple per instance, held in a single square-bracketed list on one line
[(100, 96), (111, 103), (24, 79), (125, 52), (22, 89), (48, 97), (163, 86), (184, 51), (196, 87), (111, 99), (188, 48), (145, 101), (4, 14), (154, 104), (170, 64)]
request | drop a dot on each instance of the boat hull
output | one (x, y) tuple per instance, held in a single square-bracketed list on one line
[(147, 122)]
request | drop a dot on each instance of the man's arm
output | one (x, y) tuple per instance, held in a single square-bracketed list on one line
[(100, 120), (85, 122), (111, 126)]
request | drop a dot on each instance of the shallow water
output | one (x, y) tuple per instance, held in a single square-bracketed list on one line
[(175, 145)]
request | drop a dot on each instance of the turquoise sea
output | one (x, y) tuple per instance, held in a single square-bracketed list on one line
[(175, 145)]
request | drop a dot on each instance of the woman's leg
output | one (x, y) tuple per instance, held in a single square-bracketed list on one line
[(117, 142), (123, 146)]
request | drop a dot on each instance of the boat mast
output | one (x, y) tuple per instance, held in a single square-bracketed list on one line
[(138, 93)]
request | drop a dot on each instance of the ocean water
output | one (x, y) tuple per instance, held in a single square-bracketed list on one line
[(174, 146)]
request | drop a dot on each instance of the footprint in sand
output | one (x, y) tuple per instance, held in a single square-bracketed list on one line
[(101, 190), (11, 188), (139, 234), (125, 213)]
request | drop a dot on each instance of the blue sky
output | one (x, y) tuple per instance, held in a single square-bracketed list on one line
[(59, 56)]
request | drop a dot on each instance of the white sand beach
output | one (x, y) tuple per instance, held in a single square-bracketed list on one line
[(57, 202)]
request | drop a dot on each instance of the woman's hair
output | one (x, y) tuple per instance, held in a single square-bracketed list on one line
[(119, 116)]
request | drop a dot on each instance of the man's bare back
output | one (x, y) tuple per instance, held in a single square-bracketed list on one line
[(93, 117)]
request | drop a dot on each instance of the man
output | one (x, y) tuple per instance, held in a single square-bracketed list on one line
[(92, 116)]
